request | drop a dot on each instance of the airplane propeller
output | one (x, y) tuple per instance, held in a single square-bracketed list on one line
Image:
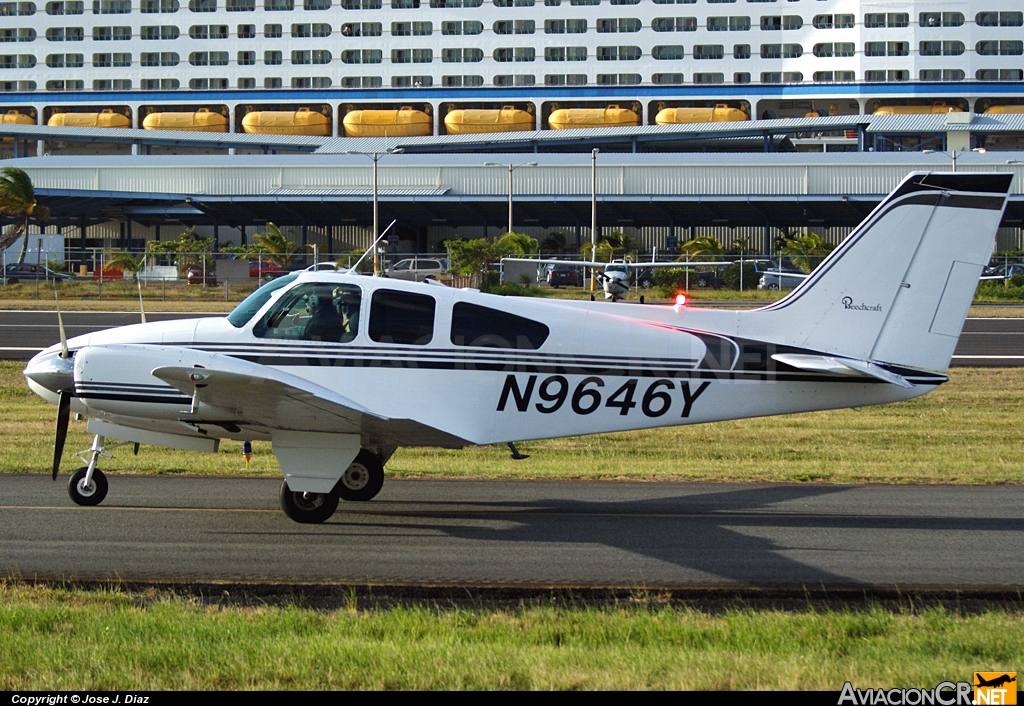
[(63, 417), (64, 396)]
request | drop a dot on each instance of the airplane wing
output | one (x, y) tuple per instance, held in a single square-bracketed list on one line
[(239, 393), (635, 265)]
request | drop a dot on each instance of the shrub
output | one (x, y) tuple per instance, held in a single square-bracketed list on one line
[(731, 275)]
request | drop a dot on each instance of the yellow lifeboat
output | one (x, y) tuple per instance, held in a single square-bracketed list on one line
[(13, 117), (612, 116), (472, 122), (287, 122), (203, 120), (1005, 110), (105, 118), (404, 122), (721, 113), (933, 109)]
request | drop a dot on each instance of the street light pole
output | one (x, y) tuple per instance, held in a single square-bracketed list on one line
[(376, 225), (377, 270), (511, 168), (593, 216)]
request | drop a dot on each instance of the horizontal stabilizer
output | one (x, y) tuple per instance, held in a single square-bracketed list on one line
[(841, 366)]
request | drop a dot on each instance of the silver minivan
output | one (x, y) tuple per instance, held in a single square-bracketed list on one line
[(418, 269)]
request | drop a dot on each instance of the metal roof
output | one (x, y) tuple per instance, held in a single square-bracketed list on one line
[(166, 138)]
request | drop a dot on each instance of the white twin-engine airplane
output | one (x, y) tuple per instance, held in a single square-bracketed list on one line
[(338, 370)]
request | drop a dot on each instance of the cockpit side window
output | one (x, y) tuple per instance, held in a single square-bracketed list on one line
[(401, 317), (474, 325), (318, 311)]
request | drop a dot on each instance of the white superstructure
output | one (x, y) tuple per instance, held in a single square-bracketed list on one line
[(779, 58)]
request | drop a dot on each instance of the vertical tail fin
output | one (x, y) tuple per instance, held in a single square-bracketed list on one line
[(898, 289)]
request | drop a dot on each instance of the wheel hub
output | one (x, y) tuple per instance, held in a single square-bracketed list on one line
[(85, 489), (356, 477), (309, 501)]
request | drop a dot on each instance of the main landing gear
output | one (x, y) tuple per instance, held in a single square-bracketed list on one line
[(361, 481)]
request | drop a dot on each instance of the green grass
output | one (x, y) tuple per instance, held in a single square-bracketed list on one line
[(966, 432), (114, 640)]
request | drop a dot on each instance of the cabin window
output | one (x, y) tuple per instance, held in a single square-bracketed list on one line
[(474, 325), (401, 317), (312, 312)]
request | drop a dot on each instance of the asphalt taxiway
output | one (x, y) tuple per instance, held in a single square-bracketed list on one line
[(522, 534)]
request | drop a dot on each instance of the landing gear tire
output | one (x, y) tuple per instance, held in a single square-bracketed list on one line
[(308, 508), (363, 479), (91, 494)]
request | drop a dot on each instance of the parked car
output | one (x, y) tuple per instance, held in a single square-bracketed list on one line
[(418, 269), (322, 267), (564, 276), (20, 273), (266, 270), (781, 280), (195, 276)]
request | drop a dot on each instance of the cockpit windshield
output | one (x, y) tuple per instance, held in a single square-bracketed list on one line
[(251, 305)]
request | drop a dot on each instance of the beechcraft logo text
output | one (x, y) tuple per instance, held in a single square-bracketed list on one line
[(995, 688), (848, 304)]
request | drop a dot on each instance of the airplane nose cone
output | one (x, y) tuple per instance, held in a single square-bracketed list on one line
[(51, 372)]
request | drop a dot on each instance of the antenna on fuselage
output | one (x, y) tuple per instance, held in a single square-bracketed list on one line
[(142, 309), (60, 325), (370, 249)]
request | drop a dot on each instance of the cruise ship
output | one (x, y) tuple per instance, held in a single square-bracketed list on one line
[(435, 67)]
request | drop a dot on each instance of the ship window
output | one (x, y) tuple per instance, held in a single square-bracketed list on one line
[(361, 29), (708, 51), (240, 6), (70, 7), (484, 327), (272, 31), (309, 312), (111, 7), (674, 24), (401, 317), (670, 52)]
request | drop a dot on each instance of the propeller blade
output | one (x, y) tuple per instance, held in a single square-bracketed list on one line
[(63, 417)]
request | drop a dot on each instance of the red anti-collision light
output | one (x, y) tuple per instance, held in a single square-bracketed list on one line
[(680, 300)]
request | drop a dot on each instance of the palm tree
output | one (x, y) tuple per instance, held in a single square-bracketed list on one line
[(125, 262), (516, 244), (274, 245), (612, 245), (806, 251), (703, 247), (18, 199)]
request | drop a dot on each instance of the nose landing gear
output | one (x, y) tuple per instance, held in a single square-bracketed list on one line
[(88, 485)]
